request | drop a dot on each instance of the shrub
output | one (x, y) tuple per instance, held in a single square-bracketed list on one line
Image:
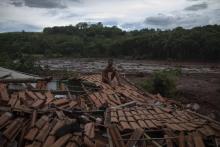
[(163, 82)]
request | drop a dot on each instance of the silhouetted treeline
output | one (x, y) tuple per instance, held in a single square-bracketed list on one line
[(96, 40)]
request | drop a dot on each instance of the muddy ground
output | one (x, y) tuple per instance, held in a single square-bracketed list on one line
[(202, 89), (199, 83)]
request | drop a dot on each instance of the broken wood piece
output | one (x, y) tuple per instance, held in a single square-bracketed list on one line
[(137, 134)]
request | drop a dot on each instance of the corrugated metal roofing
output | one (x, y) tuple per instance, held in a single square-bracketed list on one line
[(12, 74)]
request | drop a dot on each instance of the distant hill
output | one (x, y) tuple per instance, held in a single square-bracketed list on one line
[(96, 40)]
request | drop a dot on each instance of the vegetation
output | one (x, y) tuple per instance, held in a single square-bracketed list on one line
[(163, 82), (96, 40), (21, 62)]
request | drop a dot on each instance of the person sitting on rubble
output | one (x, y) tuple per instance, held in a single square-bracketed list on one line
[(114, 73)]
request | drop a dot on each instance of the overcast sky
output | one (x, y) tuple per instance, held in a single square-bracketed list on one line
[(34, 15)]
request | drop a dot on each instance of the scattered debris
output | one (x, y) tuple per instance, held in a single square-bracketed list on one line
[(85, 111)]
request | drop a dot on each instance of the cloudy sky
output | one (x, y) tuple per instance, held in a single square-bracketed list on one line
[(33, 15)]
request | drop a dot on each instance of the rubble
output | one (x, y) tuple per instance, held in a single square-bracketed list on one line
[(87, 112)]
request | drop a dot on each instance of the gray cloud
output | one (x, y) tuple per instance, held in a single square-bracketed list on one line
[(39, 3), (160, 20), (17, 4), (185, 20), (197, 7)]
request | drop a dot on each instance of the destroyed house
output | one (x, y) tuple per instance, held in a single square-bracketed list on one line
[(84, 111)]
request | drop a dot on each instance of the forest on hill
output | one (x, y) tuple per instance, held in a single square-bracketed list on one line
[(96, 40)]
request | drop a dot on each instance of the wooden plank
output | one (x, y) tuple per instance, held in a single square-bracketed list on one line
[(189, 141), (137, 134), (116, 136), (168, 141), (181, 139), (198, 140)]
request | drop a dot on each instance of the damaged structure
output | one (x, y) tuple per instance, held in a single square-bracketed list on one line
[(84, 111)]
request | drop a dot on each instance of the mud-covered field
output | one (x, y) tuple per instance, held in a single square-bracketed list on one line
[(85, 65), (199, 83)]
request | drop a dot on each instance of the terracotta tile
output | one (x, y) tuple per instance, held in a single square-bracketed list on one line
[(41, 122), (174, 127), (60, 114), (142, 124), (49, 97), (122, 118), (89, 130), (114, 114), (31, 95), (113, 99), (61, 141), (58, 125), (125, 125), (72, 104), (5, 118), (21, 94), (157, 123), (42, 135), (13, 128), (38, 103), (129, 118), (137, 117), (35, 144), (192, 125), (60, 101), (186, 127), (49, 141), (134, 112), (150, 124), (13, 100), (34, 118), (146, 112), (127, 113), (134, 125), (120, 113), (4, 93), (31, 134), (150, 116), (114, 120), (163, 116), (95, 100), (40, 95), (101, 99)]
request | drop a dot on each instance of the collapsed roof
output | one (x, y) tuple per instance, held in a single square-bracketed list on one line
[(87, 112)]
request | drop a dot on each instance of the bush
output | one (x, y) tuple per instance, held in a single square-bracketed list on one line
[(163, 82)]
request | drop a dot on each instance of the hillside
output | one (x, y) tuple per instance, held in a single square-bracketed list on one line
[(96, 40)]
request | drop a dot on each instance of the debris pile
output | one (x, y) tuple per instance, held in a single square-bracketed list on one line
[(88, 112)]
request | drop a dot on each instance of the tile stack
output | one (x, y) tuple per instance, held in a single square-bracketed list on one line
[(107, 115), (166, 122)]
